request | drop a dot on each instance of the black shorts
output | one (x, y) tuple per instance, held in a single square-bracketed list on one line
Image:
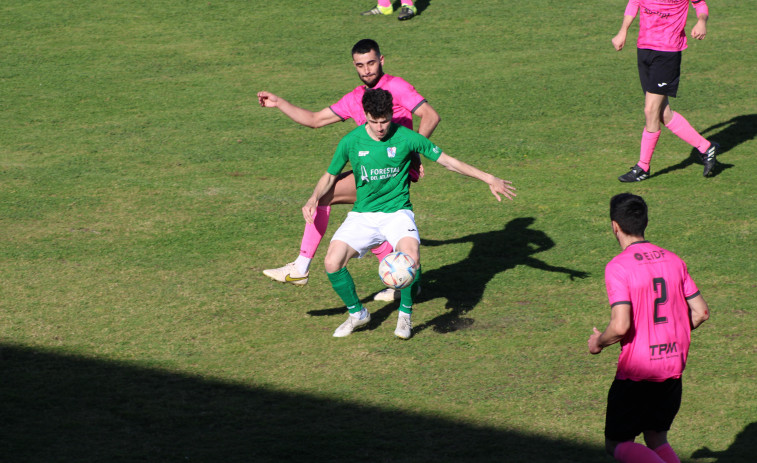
[(659, 71), (637, 406)]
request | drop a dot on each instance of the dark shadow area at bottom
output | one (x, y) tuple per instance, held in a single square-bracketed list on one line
[(63, 408), (58, 408)]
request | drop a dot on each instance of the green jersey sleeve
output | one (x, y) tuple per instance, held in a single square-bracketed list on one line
[(340, 158), (422, 145)]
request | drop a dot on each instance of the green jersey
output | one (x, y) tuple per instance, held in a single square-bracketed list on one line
[(381, 167)]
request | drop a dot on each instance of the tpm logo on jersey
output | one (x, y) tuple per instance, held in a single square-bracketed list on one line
[(363, 153), (437, 150), (363, 174), (391, 152)]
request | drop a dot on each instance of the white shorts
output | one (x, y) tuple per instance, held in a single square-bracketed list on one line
[(363, 231)]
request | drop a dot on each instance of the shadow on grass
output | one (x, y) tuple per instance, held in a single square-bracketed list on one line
[(743, 449), (60, 408), (732, 133), (463, 283)]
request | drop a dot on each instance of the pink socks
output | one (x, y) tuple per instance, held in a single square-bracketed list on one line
[(681, 127), (667, 454), (631, 452), (314, 232), (382, 251), (648, 144)]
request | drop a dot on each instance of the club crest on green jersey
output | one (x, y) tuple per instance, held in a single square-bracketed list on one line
[(392, 151)]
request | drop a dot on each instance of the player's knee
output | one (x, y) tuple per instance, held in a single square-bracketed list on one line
[(332, 264), (652, 113)]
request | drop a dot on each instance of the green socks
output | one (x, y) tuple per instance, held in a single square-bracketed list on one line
[(406, 294), (341, 281)]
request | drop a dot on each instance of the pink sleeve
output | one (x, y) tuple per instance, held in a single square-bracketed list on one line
[(689, 287), (617, 290), (632, 8), (344, 107), (405, 94), (701, 7)]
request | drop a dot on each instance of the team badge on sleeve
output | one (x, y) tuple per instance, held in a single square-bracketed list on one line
[(391, 152)]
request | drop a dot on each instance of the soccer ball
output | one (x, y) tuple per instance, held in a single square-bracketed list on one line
[(396, 270)]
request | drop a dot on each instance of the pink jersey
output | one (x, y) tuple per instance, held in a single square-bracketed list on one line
[(656, 283), (405, 98), (662, 22)]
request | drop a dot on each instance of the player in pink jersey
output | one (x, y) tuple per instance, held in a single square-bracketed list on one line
[(661, 40), (655, 305), (368, 62)]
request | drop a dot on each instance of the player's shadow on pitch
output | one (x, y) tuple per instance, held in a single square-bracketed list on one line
[(744, 448), (463, 283), (732, 133)]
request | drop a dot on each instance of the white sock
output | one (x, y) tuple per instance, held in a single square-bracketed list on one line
[(302, 264)]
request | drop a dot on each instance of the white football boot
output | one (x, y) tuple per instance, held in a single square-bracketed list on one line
[(287, 274), (387, 295), (352, 323), (404, 326), (391, 295)]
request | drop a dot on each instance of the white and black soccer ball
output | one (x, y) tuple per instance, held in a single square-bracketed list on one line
[(396, 270)]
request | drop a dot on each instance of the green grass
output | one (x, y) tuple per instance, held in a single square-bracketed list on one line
[(143, 190)]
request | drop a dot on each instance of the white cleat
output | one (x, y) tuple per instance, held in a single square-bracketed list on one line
[(387, 295), (352, 323), (287, 274), (404, 327), (391, 295)]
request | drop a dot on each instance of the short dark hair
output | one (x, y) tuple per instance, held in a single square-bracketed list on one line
[(365, 46), (378, 103), (630, 213)]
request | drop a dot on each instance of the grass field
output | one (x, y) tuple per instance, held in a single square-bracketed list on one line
[(143, 191)]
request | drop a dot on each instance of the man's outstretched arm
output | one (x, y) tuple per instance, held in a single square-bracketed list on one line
[(299, 115), (496, 184)]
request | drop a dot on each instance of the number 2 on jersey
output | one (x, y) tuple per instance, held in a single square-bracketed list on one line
[(663, 292)]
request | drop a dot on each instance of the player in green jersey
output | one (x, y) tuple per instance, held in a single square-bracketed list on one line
[(379, 152)]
